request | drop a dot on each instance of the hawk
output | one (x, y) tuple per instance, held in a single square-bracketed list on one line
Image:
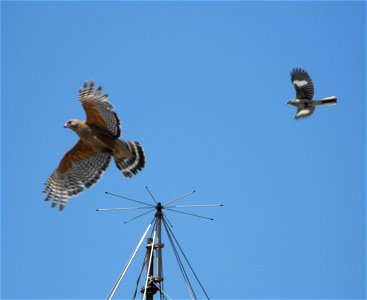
[(99, 141), (304, 93)]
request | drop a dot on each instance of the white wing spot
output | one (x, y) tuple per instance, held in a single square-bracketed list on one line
[(300, 83)]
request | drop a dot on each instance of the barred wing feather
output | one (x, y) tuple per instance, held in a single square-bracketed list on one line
[(98, 109)]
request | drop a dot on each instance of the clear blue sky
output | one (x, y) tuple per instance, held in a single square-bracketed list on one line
[(202, 86)]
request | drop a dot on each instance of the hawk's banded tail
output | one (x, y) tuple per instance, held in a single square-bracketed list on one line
[(129, 158)]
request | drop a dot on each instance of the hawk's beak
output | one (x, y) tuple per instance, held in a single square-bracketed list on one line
[(66, 125)]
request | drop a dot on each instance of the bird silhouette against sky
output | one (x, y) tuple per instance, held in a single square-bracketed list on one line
[(304, 94)]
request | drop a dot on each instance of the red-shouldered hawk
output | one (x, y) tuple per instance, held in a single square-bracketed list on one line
[(89, 158), (304, 93)]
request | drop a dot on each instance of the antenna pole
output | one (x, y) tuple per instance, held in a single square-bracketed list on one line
[(154, 244), (149, 289), (154, 274), (159, 245)]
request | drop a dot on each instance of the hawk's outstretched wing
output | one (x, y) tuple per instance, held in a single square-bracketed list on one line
[(304, 112), (98, 109), (79, 167), (302, 83)]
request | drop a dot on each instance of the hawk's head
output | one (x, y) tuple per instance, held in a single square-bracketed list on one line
[(72, 124)]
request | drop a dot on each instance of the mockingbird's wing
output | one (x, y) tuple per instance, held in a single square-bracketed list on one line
[(302, 83)]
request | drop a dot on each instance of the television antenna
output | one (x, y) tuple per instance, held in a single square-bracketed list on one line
[(154, 281)]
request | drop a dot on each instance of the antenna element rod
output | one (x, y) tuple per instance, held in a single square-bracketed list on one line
[(122, 208), (180, 197), (108, 193), (128, 264), (193, 205)]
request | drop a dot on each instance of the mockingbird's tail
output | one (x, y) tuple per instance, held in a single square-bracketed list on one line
[(326, 101)]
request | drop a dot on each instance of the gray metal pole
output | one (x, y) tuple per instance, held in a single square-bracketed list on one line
[(151, 288), (159, 245)]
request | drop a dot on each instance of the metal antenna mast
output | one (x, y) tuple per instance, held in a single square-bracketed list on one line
[(153, 257)]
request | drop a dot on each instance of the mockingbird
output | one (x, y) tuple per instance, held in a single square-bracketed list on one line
[(304, 93)]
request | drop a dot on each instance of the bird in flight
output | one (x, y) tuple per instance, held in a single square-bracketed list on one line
[(99, 141), (304, 94)]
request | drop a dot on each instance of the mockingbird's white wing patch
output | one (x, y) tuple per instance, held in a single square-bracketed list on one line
[(304, 112), (302, 83)]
